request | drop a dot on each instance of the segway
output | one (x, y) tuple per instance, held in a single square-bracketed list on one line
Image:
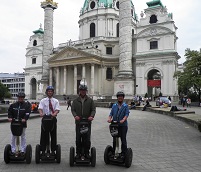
[(113, 156), (48, 126), (17, 129), (84, 129)]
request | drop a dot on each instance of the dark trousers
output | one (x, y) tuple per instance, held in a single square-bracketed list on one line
[(122, 134), (83, 141), (69, 105), (45, 137)]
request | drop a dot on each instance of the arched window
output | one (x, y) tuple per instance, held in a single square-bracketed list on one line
[(153, 19), (117, 29), (34, 43), (117, 4), (92, 30)]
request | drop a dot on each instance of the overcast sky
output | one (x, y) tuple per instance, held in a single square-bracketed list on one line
[(18, 18)]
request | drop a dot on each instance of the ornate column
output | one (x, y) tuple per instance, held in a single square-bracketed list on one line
[(75, 79), (57, 81), (125, 80), (92, 79), (48, 7), (65, 77), (83, 71), (50, 76)]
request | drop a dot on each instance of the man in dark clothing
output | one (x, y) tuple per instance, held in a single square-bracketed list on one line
[(147, 105), (83, 107), (68, 102), (19, 110)]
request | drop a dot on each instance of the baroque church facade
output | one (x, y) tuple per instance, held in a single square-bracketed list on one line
[(115, 51)]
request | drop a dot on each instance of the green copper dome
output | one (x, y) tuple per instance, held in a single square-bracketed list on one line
[(106, 3), (101, 3)]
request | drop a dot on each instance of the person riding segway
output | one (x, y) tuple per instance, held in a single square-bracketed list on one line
[(83, 110), (18, 114), (118, 129), (48, 109)]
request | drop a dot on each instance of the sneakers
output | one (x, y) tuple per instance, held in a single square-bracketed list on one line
[(22, 153), (122, 155), (52, 153), (77, 156), (87, 156)]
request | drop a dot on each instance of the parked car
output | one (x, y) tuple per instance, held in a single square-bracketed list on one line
[(161, 100)]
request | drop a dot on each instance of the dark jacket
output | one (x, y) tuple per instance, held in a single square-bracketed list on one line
[(88, 109), (118, 114), (23, 108)]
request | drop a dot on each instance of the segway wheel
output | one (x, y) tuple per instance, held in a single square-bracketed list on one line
[(7, 151), (128, 157), (37, 154), (93, 156), (28, 154), (107, 153), (58, 153), (72, 156)]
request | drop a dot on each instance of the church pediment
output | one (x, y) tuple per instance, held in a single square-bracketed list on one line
[(33, 52), (71, 56), (69, 53), (154, 31)]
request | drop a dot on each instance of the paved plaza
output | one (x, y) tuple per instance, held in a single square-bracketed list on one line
[(160, 144)]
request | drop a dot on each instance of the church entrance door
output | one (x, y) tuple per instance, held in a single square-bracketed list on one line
[(33, 88), (153, 83)]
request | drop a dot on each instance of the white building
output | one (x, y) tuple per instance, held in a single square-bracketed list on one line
[(14, 82), (99, 56)]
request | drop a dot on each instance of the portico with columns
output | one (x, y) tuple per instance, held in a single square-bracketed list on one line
[(70, 66)]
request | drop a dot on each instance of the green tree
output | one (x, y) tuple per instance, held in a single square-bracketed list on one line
[(4, 92), (191, 75)]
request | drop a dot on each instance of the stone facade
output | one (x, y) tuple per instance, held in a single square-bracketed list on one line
[(114, 52)]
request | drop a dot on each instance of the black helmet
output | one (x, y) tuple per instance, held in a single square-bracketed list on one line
[(120, 93), (50, 88), (83, 87), (21, 94)]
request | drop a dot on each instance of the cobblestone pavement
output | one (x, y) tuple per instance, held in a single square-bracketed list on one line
[(160, 144)]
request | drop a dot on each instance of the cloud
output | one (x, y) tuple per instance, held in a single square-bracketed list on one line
[(19, 18)]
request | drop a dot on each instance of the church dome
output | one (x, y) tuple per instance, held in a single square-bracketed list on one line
[(93, 4)]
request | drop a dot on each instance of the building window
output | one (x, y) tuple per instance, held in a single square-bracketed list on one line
[(92, 5), (108, 50), (117, 4), (109, 73), (34, 43), (153, 19), (34, 61), (154, 45), (92, 30), (117, 29)]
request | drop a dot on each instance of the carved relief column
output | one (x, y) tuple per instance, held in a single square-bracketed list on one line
[(57, 81), (65, 77), (50, 77), (49, 7), (92, 79), (75, 79), (125, 78)]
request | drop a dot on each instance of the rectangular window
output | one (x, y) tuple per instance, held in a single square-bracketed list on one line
[(34, 61), (154, 45), (109, 73), (108, 50)]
